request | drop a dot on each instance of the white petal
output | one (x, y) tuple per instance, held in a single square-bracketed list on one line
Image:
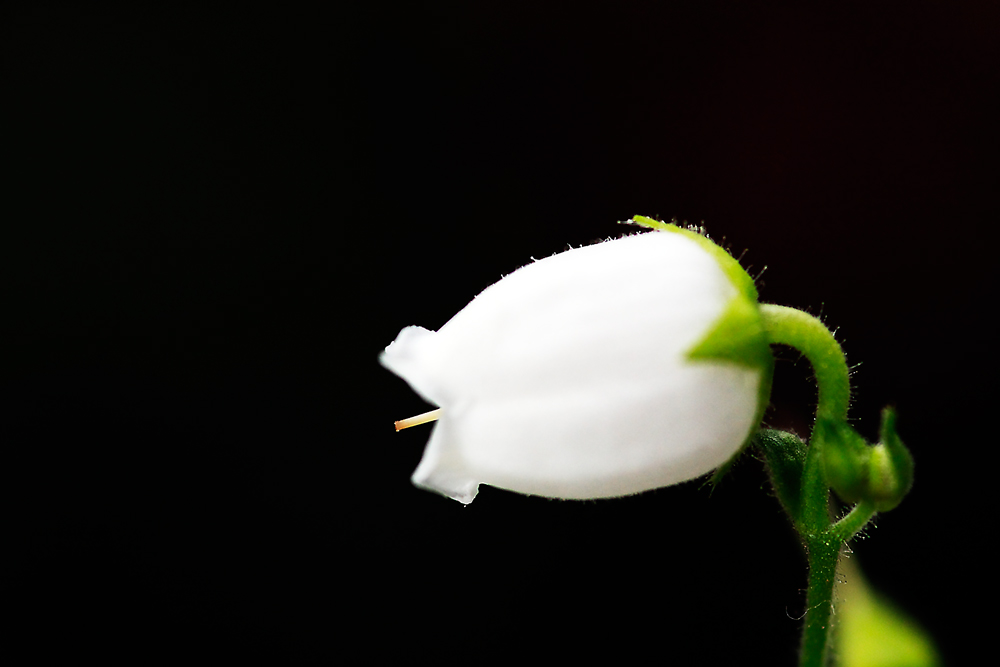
[(406, 357), (569, 377), (442, 467)]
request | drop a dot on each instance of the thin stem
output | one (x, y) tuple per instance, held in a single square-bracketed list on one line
[(854, 521), (824, 550), (788, 326), (814, 516)]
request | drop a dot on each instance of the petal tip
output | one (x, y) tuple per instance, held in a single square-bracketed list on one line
[(464, 491)]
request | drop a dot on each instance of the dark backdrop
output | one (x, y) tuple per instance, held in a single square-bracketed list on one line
[(213, 221)]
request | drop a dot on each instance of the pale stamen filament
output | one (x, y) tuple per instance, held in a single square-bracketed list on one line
[(419, 419)]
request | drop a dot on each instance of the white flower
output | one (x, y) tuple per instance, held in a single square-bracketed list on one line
[(601, 371)]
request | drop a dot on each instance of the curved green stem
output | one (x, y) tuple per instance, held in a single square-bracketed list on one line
[(854, 521), (823, 540), (788, 326)]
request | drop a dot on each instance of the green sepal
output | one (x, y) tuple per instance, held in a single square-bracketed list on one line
[(738, 337), (785, 458), (736, 273), (846, 458), (890, 466)]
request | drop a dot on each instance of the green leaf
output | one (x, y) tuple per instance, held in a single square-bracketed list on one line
[(785, 456)]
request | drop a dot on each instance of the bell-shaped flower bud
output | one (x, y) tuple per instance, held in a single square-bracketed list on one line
[(846, 458), (602, 371), (891, 466), (881, 474)]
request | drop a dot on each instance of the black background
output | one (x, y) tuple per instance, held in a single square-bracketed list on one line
[(214, 220)]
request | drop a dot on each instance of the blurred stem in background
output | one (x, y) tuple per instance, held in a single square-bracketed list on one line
[(869, 631)]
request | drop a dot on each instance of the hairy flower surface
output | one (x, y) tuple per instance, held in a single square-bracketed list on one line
[(602, 371)]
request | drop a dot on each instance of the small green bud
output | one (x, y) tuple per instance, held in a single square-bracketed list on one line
[(846, 459), (882, 474), (890, 466)]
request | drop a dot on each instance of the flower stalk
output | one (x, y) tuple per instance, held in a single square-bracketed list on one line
[(836, 458), (808, 335)]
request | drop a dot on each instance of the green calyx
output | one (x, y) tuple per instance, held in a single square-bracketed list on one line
[(739, 277), (738, 335), (802, 473), (836, 456)]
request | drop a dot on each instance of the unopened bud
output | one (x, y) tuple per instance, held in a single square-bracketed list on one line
[(846, 459), (890, 467)]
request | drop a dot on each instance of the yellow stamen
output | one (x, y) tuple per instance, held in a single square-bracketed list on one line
[(419, 419)]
